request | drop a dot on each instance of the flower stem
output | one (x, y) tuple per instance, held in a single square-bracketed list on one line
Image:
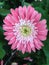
[(10, 57)]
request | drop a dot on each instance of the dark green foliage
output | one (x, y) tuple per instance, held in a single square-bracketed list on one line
[(40, 57)]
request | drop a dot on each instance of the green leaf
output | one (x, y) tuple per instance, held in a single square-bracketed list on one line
[(46, 49), (39, 57), (47, 4), (28, 63), (1, 33), (1, 30), (47, 17), (2, 53), (23, 55), (42, 11), (1, 4), (4, 12), (2, 40), (27, 4)]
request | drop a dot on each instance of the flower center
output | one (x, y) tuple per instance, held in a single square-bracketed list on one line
[(25, 30)]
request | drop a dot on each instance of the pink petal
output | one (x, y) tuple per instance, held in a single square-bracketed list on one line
[(21, 47), (44, 33), (16, 10), (15, 15), (34, 14), (24, 49), (42, 37), (24, 9), (32, 46), (21, 12), (37, 46), (14, 45), (30, 10), (38, 17), (10, 19), (29, 48), (6, 22), (41, 26), (18, 45), (8, 37), (43, 21), (7, 28), (2, 62), (12, 40), (40, 43), (33, 49), (8, 33)]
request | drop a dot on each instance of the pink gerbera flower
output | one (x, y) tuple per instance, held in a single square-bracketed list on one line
[(24, 30)]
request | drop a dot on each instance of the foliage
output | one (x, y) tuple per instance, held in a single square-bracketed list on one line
[(40, 57)]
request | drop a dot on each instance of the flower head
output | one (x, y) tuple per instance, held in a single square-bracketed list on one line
[(24, 30)]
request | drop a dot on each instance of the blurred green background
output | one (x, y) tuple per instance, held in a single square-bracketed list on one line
[(40, 57)]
